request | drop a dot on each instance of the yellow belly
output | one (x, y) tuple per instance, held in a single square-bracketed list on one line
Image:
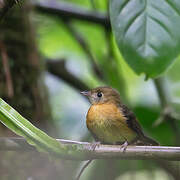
[(108, 124)]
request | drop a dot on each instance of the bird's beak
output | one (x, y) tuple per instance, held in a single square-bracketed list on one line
[(86, 93)]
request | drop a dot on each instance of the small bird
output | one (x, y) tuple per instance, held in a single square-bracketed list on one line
[(111, 122)]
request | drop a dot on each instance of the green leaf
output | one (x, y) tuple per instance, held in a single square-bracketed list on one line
[(147, 33), (22, 127)]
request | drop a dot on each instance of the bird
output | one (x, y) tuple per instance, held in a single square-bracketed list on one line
[(112, 122)]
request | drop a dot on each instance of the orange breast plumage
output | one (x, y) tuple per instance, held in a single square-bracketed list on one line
[(108, 125)]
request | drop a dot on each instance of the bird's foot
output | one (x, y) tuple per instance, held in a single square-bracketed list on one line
[(124, 146), (94, 145)]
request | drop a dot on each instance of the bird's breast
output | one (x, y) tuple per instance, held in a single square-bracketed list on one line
[(107, 123), (104, 113)]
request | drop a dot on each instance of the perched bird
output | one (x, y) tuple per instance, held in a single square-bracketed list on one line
[(111, 122)]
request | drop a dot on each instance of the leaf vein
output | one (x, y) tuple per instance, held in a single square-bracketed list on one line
[(132, 21), (159, 10), (162, 25), (173, 7), (145, 31), (124, 5)]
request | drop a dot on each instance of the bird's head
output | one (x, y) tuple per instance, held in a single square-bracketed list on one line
[(101, 95)]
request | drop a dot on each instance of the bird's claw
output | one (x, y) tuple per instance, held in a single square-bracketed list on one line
[(124, 146), (94, 145)]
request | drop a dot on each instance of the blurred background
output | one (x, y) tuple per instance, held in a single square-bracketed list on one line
[(52, 50)]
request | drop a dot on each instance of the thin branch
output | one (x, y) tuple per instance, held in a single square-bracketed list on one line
[(84, 151), (84, 45), (83, 169), (58, 68), (162, 93), (69, 11), (167, 113)]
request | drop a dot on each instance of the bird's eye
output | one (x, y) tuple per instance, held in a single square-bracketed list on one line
[(99, 94)]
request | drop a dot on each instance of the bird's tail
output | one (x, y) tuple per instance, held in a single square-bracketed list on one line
[(146, 141)]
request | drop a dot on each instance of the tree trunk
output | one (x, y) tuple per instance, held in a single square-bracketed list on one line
[(21, 85), (21, 68)]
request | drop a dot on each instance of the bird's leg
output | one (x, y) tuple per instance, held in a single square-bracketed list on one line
[(124, 146), (94, 145)]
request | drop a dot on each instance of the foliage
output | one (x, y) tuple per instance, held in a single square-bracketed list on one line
[(147, 33), (120, 65), (22, 127)]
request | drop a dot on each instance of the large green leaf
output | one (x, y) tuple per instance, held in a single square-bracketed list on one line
[(147, 33), (19, 125), (34, 136)]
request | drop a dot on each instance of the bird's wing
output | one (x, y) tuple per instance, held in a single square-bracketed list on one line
[(131, 120)]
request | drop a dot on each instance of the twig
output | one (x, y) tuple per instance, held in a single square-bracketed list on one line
[(85, 47), (83, 150), (95, 144), (83, 168), (69, 11), (58, 68), (167, 113), (162, 93)]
